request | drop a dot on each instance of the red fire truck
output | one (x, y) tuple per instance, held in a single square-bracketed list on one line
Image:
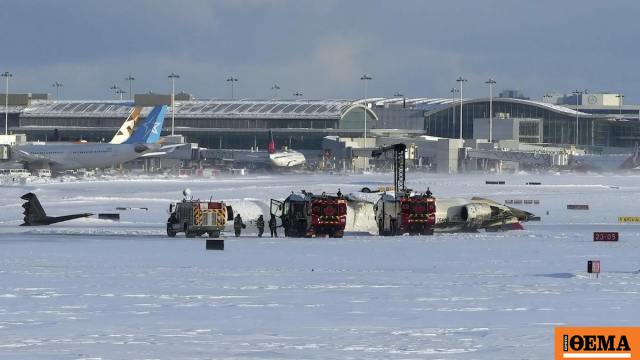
[(403, 211), (306, 215), (413, 214)]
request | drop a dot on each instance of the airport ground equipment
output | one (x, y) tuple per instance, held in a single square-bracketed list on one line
[(34, 213), (406, 211), (306, 215), (198, 217)]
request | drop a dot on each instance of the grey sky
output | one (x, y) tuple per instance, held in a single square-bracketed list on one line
[(320, 48)]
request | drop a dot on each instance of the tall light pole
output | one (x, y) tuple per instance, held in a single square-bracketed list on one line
[(297, 95), (461, 80), (173, 78), (120, 91), (232, 80), (453, 107), (620, 96), (115, 90), (57, 85), (130, 79), (6, 104), (490, 82), (276, 88), (577, 94), (366, 106)]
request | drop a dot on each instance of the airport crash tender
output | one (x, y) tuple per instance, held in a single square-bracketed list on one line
[(307, 215), (196, 217), (407, 213)]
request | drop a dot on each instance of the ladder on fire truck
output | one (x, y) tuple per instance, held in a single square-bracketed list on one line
[(399, 165)]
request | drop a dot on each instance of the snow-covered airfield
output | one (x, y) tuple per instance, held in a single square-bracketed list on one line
[(92, 289)]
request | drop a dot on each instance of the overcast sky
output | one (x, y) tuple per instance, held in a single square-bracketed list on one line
[(320, 48)]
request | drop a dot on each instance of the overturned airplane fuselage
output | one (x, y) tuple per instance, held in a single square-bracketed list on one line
[(452, 215)]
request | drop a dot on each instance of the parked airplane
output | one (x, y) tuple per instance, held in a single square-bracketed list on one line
[(277, 159), (34, 213), (284, 158), (599, 163), (145, 141)]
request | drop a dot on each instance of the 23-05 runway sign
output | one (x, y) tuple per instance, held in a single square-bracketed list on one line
[(596, 342)]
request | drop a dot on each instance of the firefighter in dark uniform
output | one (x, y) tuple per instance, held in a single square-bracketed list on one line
[(238, 225), (272, 226), (260, 224)]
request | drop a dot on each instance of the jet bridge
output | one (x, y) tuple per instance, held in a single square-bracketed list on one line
[(520, 156)]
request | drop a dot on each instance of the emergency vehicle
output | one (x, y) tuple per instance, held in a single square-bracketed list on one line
[(413, 213), (198, 217), (307, 215), (403, 211)]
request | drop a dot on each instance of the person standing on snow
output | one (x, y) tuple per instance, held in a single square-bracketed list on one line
[(272, 226), (260, 224), (238, 225)]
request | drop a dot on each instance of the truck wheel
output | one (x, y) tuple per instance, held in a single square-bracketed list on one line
[(170, 231), (187, 233), (427, 232)]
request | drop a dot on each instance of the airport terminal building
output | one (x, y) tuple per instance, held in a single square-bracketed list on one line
[(302, 124), (550, 123), (215, 124)]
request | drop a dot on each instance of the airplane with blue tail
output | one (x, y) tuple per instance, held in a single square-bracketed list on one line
[(145, 141)]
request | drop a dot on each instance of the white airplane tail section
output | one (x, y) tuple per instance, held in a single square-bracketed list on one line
[(127, 128)]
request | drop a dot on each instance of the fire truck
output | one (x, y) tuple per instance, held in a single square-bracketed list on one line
[(405, 211), (307, 215), (198, 217)]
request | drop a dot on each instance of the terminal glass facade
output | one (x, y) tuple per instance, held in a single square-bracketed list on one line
[(529, 131), (557, 127)]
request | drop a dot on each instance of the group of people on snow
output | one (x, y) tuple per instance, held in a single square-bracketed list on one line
[(238, 225)]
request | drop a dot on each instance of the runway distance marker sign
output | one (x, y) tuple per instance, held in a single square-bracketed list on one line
[(605, 236)]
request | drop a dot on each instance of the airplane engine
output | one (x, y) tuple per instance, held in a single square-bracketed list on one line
[(475, 212)]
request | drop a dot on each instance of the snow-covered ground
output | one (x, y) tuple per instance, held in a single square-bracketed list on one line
[(93, 289)]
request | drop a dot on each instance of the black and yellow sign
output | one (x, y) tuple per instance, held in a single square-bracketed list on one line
[(629, 219)]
